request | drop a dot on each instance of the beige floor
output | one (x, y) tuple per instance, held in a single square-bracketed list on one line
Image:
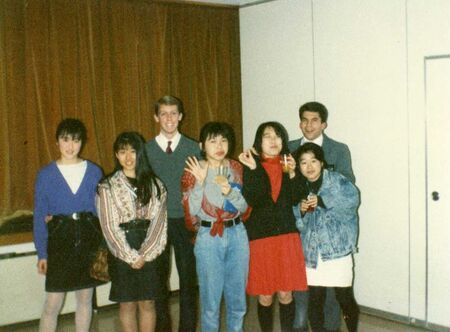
[(106, 320)]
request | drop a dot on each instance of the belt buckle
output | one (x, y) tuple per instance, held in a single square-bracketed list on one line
[(75, 216), (231, 222)]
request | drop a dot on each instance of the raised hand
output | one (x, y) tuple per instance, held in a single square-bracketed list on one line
[(247, 159), (196, 169), (291, 165)]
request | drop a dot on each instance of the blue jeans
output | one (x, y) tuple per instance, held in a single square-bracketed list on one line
[(332, 311), (222, 268)]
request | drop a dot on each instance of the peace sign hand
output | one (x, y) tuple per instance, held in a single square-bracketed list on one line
[(247, 159)]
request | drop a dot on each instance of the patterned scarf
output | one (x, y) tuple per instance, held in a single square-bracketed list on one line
[(192, 221)]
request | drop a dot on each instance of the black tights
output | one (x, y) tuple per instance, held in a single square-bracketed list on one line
[(346, 300)]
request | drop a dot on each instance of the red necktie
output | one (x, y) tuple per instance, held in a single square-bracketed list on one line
[(169, 149)]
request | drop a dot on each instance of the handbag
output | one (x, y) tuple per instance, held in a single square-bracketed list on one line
[(99, 268)]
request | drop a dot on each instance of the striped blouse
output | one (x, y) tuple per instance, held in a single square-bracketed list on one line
[(116, 203)]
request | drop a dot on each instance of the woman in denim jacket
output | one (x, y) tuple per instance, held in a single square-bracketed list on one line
[(328, 221)]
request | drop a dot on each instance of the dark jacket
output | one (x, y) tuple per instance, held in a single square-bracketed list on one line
[(269, 218)]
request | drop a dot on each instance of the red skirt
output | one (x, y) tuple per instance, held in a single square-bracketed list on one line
[(276, 264)]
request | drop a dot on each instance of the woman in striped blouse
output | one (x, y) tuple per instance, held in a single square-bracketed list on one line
[(131, 205)]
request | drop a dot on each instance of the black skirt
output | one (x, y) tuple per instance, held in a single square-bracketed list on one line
[(72, 244), (131, 285)]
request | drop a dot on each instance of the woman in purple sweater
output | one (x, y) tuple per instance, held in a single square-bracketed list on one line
[(66, 229)]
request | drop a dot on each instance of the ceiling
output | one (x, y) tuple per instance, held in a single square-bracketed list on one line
[(229, 2)]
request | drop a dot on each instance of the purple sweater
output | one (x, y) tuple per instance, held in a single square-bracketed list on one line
[(53, 196)]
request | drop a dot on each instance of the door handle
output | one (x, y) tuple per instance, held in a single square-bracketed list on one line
[(435, 196)]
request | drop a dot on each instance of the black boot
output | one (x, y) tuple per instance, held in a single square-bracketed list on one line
[(350, 309), (265, 317), (352, 321), (287, 314)]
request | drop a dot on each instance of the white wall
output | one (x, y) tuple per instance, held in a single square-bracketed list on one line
[(361, 77), (364, 60), (276, 66), (428, 35)]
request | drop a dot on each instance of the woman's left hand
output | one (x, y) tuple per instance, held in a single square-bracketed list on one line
[(304, 206), (312, 200), (291, 164), (247, 158), (225, 186)]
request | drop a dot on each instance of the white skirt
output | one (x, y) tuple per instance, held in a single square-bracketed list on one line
[(333, 273)]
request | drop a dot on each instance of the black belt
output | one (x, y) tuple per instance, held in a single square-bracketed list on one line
[(226, 223), (73, 216), (78, 226), (135, 232), (138, 224)]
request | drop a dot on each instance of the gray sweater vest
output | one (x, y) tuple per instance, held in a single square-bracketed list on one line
[(170, 167)]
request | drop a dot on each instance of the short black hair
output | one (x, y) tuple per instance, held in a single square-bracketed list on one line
[(279, 130), (169, 100), (73, 128), (316, 107), (215, 128), (312, 148)]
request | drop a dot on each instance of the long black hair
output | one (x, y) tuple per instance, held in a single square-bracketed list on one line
[(145, 176), (279, 130)]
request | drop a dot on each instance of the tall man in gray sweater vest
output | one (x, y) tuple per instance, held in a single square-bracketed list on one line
[(313, 121), (167, 154)]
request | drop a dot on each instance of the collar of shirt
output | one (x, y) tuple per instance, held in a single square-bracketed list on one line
[(162, 141), (318, 140)]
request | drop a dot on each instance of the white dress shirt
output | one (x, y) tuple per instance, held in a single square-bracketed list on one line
[(318, 140), (163, 141)]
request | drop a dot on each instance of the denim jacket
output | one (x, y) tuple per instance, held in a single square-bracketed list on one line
[(331, 231)]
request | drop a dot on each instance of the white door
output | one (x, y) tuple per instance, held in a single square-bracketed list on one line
[(437, 93)]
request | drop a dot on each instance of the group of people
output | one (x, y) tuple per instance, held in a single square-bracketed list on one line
[(282, 220)]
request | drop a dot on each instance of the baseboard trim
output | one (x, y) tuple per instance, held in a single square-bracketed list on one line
[(403, 319)]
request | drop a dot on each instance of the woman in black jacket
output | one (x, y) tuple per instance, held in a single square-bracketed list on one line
[(276, 257)]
